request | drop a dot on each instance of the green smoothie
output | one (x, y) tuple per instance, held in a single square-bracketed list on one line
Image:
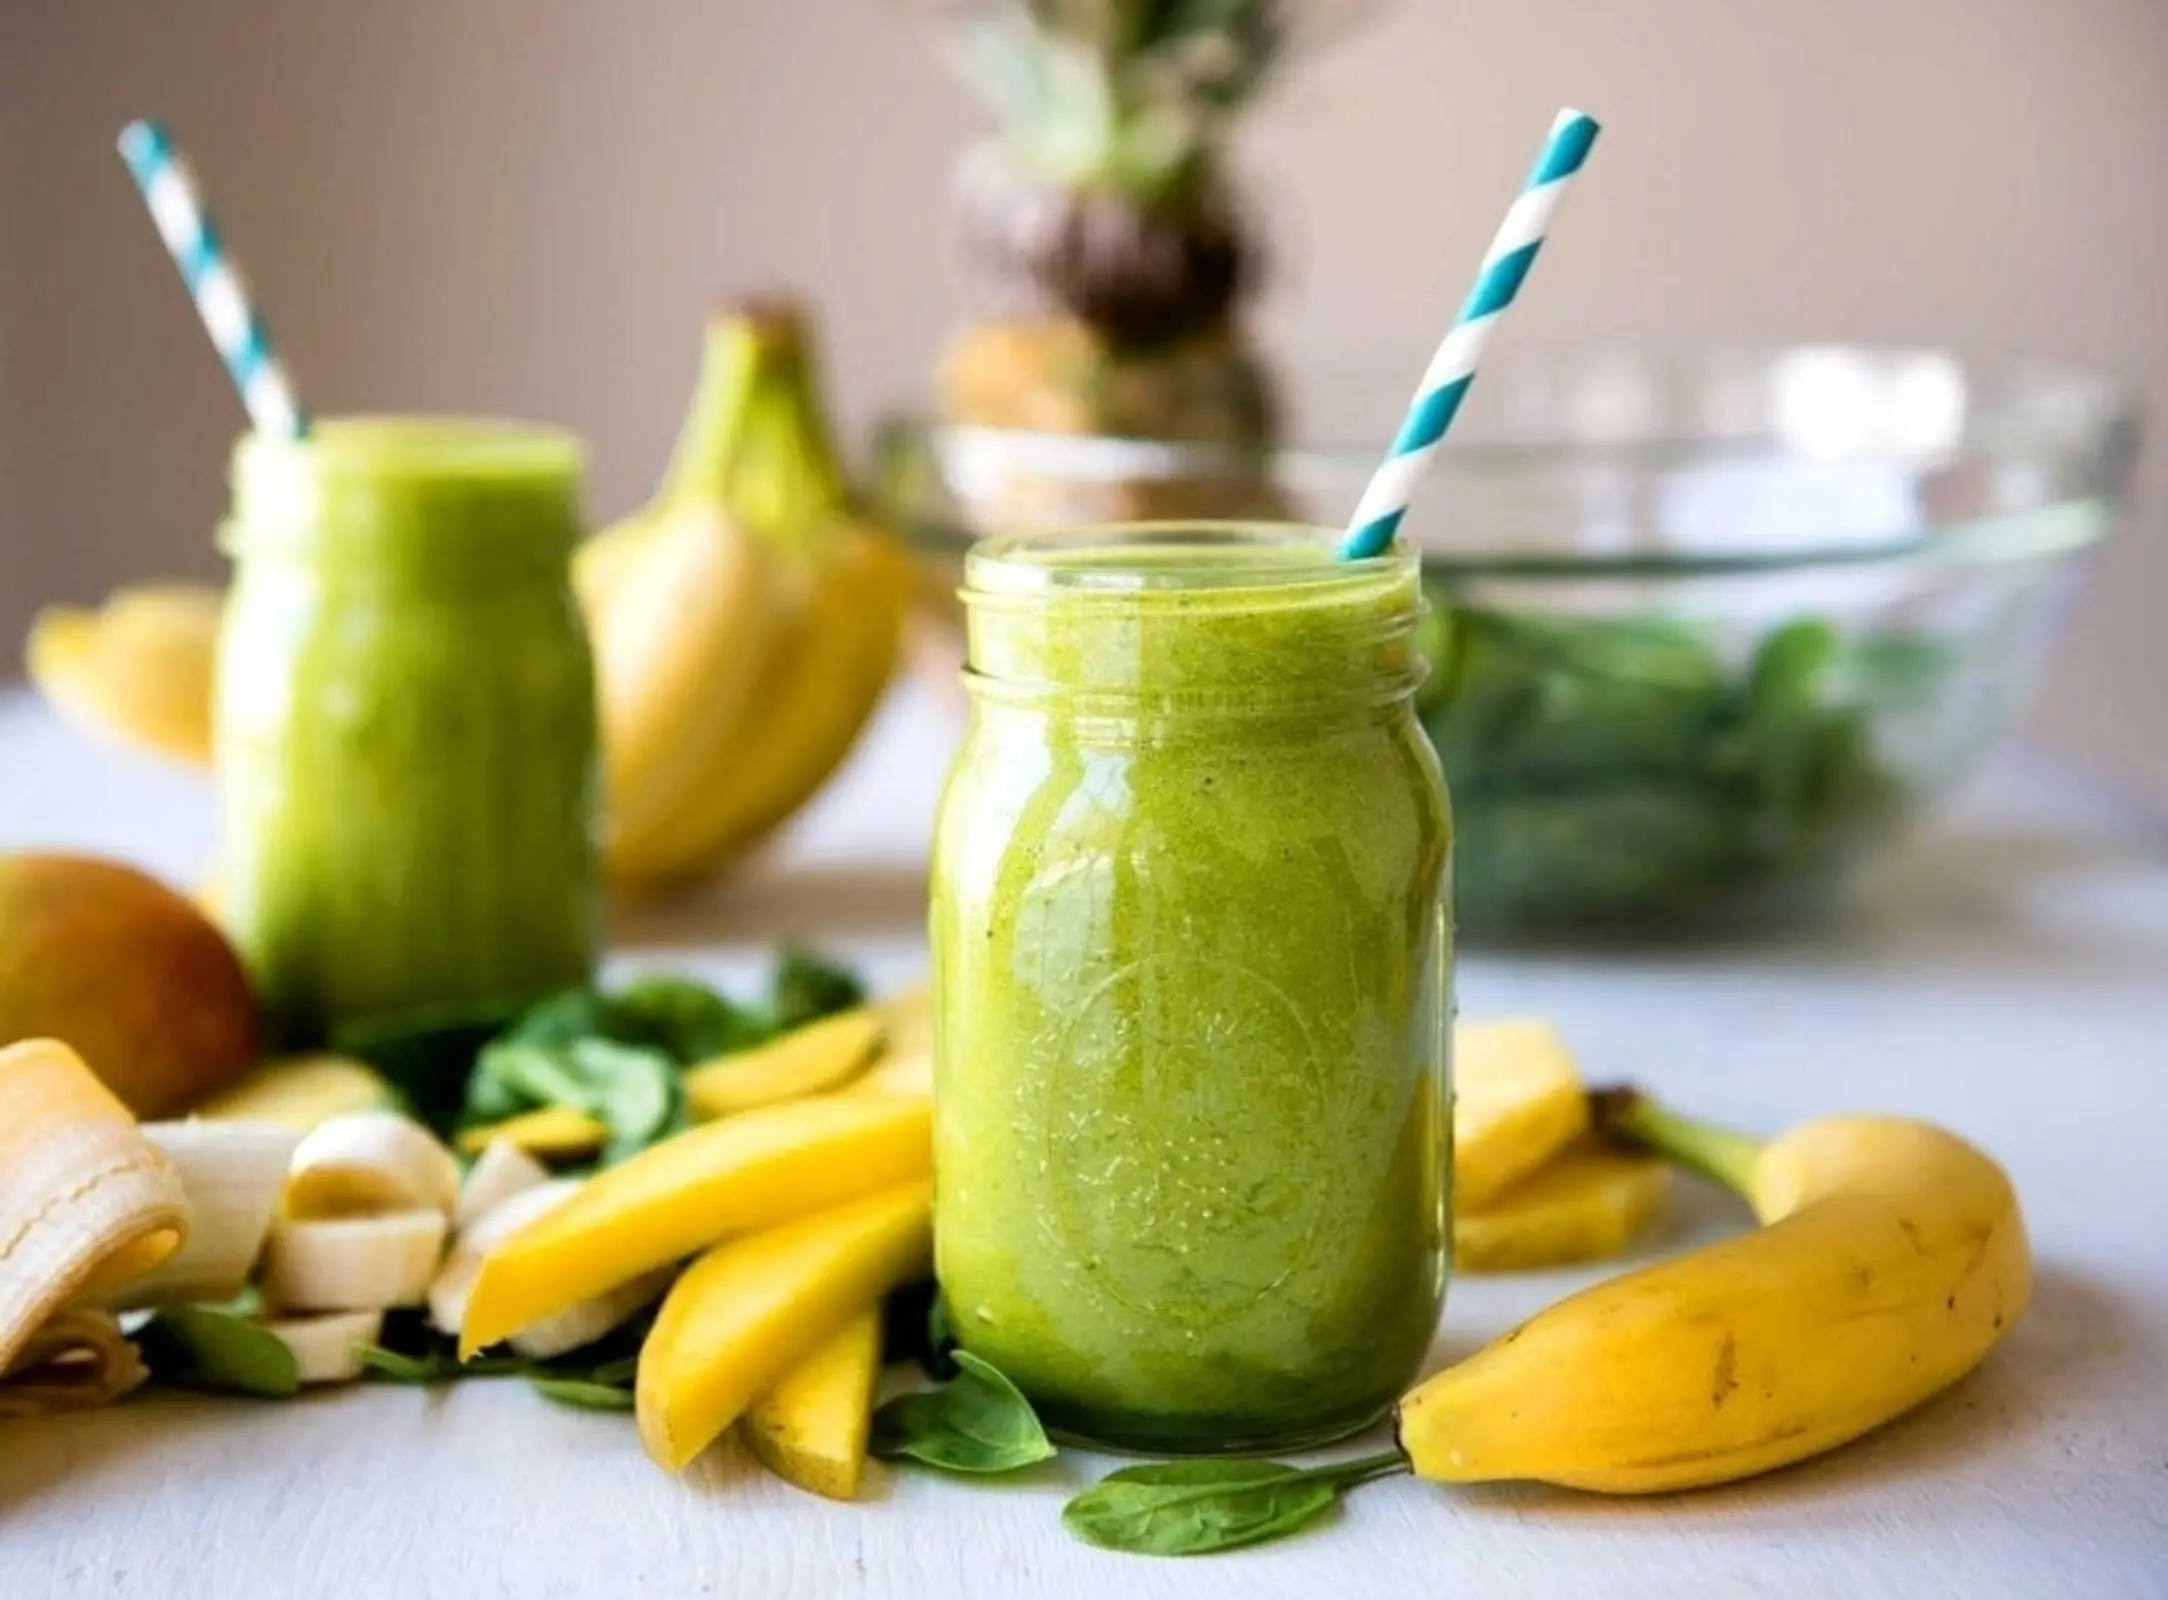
[(406, 734), (1192, 961)]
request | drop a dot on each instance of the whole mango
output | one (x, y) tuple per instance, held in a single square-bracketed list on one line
[(134, 976)]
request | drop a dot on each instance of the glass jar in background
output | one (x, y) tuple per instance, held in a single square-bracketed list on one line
[(1192, 973), (406, 725)]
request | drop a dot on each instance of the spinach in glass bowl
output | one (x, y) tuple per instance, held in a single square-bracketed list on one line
[(1708, 631), (1609, 770)]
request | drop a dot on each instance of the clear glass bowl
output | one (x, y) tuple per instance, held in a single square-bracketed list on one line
[(1707, 633)]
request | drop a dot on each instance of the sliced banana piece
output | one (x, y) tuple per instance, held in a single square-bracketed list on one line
[(569, 1329), (366, 1163), (232, 1174), (501, 1171), (324, 1346), (353, 1263)]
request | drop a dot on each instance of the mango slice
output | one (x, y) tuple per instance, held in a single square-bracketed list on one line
[(821, 1055), (137, 670), (742, 1314), (300, 1092), (811, 1429), (1517, 1101), (905, 1065), (743, 1173), (1589, 1204), (552, 1133)]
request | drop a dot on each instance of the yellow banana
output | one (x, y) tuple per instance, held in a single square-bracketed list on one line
[(1892, 1259), (822, 696), (814, 647), (678, 654)]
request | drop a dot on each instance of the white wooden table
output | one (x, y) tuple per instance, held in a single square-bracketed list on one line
[(2008, 976)]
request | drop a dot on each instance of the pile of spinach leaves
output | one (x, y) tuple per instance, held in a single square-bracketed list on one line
[(615, 1054), (1619, 771)]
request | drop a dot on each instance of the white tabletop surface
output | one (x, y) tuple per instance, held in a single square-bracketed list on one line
[(2007, 975)]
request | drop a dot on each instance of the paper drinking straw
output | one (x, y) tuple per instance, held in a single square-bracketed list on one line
[(222, 301), (1452, 369)]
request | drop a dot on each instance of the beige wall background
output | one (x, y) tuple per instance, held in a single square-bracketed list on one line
[(523, 206)]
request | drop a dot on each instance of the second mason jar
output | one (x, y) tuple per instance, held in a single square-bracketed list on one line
[(1192, 964), (406, 720)]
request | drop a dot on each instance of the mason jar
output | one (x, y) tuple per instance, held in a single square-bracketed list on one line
[(1192, 951), (406, 722)]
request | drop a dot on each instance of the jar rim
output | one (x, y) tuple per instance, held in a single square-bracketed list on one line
[(407, 449), (1126, 558)]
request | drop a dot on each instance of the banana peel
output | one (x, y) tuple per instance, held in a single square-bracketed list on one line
[(86, 1204), (745, 624)]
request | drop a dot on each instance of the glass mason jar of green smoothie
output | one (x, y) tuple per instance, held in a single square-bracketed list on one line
[(1192, 970), (406, 743)]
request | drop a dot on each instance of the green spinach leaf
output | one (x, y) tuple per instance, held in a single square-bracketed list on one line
[(685, 1018), (807, 987), (978, 1422), (206, 1347), (427, 1054), (1190, 1508), (633, 1089)]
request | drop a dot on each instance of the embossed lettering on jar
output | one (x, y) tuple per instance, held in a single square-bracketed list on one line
[(1192, 966)]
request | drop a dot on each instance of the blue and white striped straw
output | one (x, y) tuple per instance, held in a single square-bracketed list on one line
[(222, 299), (1452, 369)]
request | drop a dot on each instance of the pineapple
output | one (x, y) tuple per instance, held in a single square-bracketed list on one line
[(1107, 244)]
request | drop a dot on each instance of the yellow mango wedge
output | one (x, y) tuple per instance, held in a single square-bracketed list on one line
[(741, 1315), (137, 670), (553, 1133), (741, 1174), (1517, 1101), (819, 1056), (811, 1429), (300, 1092), (1589, 1204), (905, 1064)]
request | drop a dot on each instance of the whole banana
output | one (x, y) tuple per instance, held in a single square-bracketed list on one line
[(1892, 1258), (745, 624)]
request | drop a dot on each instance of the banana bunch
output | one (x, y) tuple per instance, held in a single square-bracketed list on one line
[(744, 625), (1891, 1258)]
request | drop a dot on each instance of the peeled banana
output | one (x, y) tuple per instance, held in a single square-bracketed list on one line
[(232, 1174), (1892, 1258), (353, 1263), (368, 1162), (501, 1171), (569, 1329), (324, 1346)]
